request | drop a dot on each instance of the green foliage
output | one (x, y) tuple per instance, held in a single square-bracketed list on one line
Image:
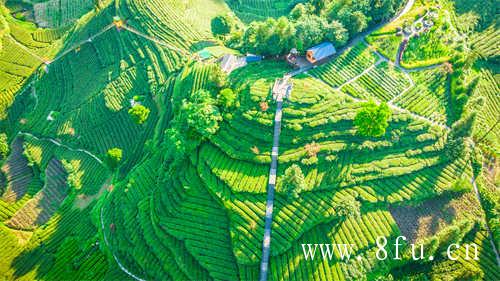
[(197, 119), (4, 146), (114, 157), (300, 10), (217, 78), (293, 181), (301, 31), (356, 16), (202, 113), (372, 120), (270, 37), (227, 98), (311, 30), (349, 207), (139, 113), (463, 127), (222, 25)]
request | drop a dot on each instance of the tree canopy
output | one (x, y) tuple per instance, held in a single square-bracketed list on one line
[(114, 157), (293, 181), (348, 207), (226, 98), (139, 113), (222, 25), (311, 23), (202, 114), (198, 117), (372, 120)]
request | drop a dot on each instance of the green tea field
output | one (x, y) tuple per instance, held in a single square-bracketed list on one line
[(249, 140)]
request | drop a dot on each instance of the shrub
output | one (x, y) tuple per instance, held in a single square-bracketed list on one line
[(139, 113)]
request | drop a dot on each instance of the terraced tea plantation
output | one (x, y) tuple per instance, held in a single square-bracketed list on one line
[(140, 141)]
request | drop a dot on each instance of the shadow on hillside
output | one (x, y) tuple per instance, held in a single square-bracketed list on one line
[(485, 9), (425, 219)]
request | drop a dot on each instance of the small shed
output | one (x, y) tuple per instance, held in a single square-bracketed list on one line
[(321, 52)]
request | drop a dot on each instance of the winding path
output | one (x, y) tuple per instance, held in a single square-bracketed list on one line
[(57, 143), (122, 267)]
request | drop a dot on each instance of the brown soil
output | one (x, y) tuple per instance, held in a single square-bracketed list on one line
[(418, 222)]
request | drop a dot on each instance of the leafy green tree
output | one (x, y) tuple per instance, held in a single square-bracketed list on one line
[(202, 114), (114, 157), (139, 113), (4, 146), (222, 25), (293, 181), (461, 186), (354, 21), (382, 9), (319, 4), (298, 11), (270, 37), (372, 120), (310, 30), (336, 33), (218, 78), (348, 207), (227, 98)]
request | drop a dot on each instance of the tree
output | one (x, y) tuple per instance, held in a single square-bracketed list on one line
[(372, 120), (226, 98), (270, 37), (114, 157), (382, 9), (293, 181), (357, 22), (4, 146), (222, 25), (336, 33), (218, 78), (310, 30), (3, 182), (348, 207), (139, 113), (298, 11), (202, 114), (318, 5)]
